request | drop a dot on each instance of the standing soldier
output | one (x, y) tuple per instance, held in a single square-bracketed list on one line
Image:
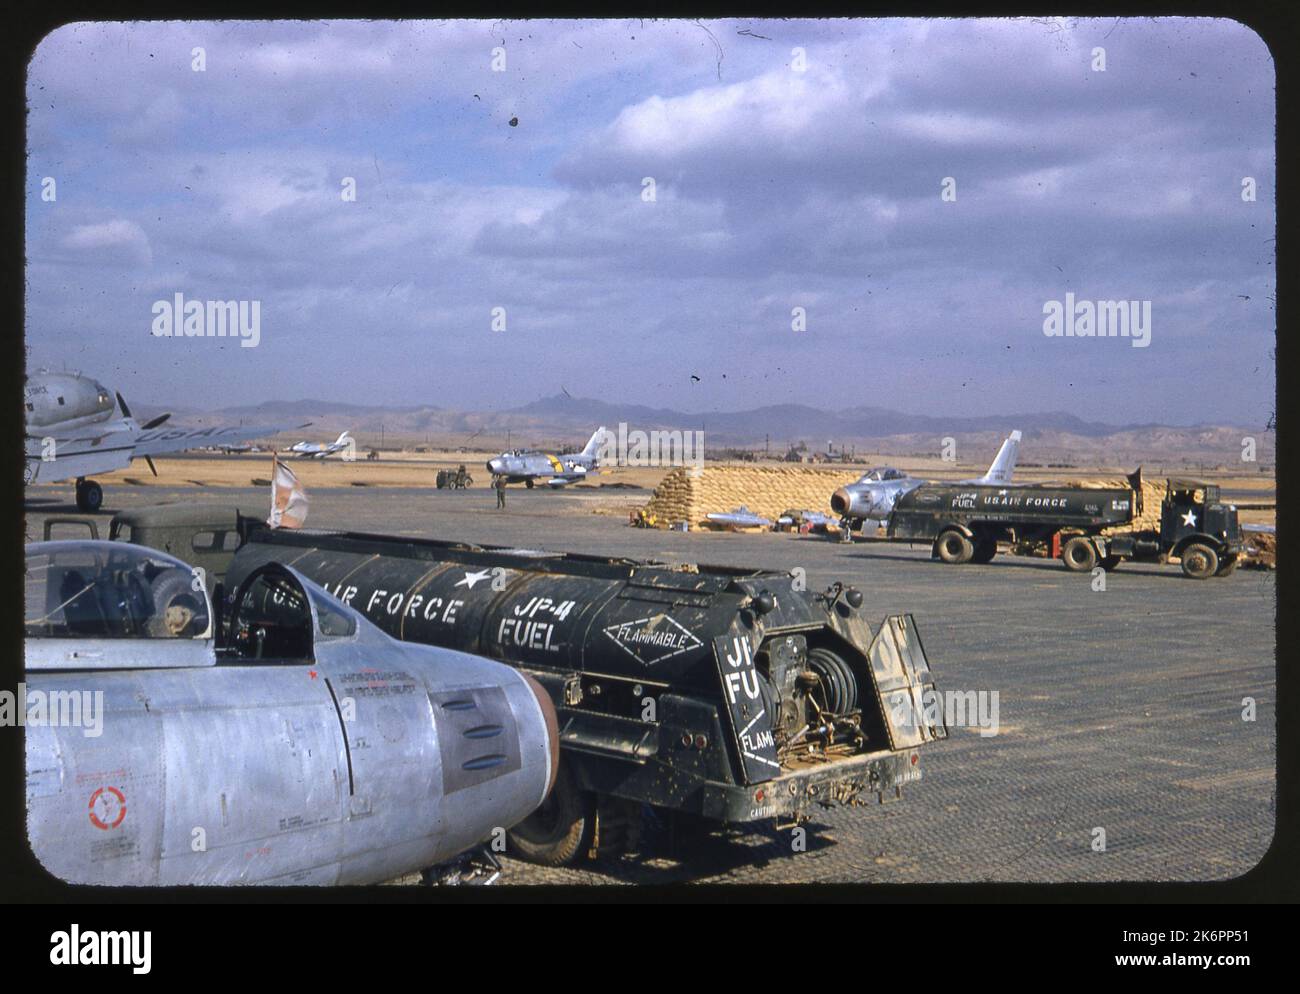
[(499, 482)]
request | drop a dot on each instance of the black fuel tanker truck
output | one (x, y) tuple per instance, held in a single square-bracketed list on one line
[(1085, 527), (718, 696)]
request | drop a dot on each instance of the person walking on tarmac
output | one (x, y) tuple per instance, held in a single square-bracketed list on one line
[(499, 482)]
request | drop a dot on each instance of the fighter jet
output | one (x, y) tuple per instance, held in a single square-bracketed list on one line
[(872, 497), (75, 427), (303, 747), (317, 450), (527, 466)]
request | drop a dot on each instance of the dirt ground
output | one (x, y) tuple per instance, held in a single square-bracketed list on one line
[(420, 469)]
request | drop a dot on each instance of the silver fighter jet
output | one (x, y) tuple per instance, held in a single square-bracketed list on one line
[(872, 497), (304, 747), (323, 450), (75, 427), (527, 466)]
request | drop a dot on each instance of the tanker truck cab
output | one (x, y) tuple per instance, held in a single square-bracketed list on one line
[(1197, 528)]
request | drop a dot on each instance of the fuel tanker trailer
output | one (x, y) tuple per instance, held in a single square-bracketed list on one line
[(718, 696)]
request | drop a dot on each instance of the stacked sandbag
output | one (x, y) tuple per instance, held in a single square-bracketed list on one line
[(689, 494)]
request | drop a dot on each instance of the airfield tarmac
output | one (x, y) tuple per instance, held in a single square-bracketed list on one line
[(1119, 709)]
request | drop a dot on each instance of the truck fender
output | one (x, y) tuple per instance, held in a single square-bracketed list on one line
[(965, 529), (1217, 544), (948, 526)]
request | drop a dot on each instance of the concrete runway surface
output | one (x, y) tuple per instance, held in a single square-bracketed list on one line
[(1119, 710)]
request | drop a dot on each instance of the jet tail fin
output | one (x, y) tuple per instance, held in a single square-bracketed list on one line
[(1004, 464), (593, 443), (342, 439)]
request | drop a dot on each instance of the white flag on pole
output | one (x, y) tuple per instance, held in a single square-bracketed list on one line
[(288, 498)]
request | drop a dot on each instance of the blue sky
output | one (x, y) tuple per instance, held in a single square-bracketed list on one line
[(782, 180)]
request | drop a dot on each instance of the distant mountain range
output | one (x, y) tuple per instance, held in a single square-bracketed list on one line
[(566, 420)]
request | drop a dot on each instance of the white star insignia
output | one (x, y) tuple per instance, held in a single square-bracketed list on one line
[(1189, 519), (473, 578)]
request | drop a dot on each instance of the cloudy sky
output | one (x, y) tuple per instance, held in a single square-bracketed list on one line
[(795, 164)]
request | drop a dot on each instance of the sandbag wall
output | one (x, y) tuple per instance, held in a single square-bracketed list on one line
[(688, 494)]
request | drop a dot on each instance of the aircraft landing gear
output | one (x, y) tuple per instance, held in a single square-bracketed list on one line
[(90, 495)]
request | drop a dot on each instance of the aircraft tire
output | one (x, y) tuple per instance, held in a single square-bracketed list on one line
[(90, 496)]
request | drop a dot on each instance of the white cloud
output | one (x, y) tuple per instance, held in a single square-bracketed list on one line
[(116, 242)]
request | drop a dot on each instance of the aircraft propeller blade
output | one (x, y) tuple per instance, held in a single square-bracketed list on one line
[(152, 468), (126, 411)]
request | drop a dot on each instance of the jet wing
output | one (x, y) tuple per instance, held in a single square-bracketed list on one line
[(175, 439)]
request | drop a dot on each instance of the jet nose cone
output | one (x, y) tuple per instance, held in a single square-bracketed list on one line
[(494, 466), (840, 501)]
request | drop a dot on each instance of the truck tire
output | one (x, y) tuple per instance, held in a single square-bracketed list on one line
[(1110, 563), (985, 550), (953, 547), (1199, 561), (1227, 565), (560, 832), (1079, 555)]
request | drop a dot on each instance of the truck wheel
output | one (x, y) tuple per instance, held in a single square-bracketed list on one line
[(985, 550), (954, 547), (560, 831), (1227, 565), (1200, 562), (1110, 563), (1079, 555)]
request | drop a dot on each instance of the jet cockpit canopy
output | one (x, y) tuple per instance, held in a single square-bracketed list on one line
[(112, 590), (879, 474)]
